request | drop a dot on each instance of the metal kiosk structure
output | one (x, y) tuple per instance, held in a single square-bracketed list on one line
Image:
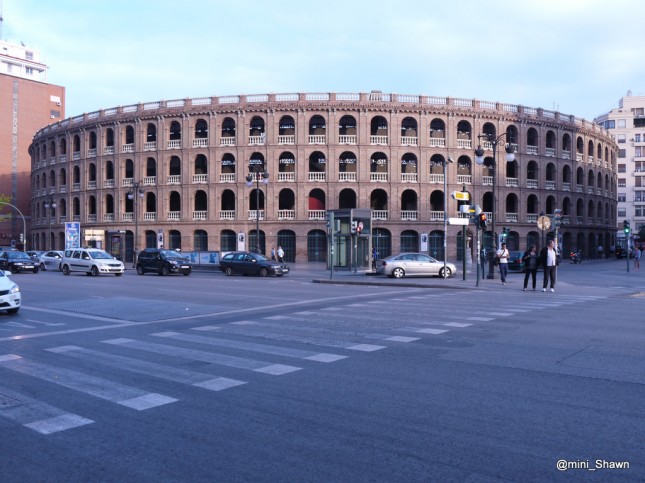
[(349, 239)]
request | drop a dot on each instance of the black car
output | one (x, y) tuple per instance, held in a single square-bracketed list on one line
[(17, 262), (248, 263), (163, 262)]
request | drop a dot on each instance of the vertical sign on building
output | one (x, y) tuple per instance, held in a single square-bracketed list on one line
[(72, 235)]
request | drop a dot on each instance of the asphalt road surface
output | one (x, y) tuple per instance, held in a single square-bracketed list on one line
[(214, 378)]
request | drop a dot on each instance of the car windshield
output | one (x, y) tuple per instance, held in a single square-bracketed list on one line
[(17, 255), (258, 257), (100, 255), (171, 254)]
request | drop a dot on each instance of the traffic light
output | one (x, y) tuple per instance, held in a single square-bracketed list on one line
[(557, 218), (482, 221), (359, 227), (505, 233), (354, 226), (22, 238), (626, 228)]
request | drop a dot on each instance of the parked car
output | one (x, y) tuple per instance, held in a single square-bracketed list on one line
[(10, 298), (17, 262), (413, 264), (92, 261), (248, 263), (51, 260), (162, 262), (515, 261), (35, 255)]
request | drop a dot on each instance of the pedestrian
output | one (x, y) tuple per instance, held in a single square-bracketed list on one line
[(483, 262), (273, 254), (549, 260), (374, 258), (502, 255), (530, 259), (280, 254), (637, 258)]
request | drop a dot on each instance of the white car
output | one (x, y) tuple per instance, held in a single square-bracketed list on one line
[(9, 293), (51, 260), (92, 261), (414, 264)]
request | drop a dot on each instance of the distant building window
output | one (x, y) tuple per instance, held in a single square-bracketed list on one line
[(640, 211), (639, 111), (29, 55), (622, 198), (621, 183), (622, 168), (622, 212), (622, 123), (610, 124), (638, 151), (54, 114), (621, 153), (639, 122), (621, 138), (29, 71), (637, 138)]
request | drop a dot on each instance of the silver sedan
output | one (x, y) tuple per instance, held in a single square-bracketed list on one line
[(413, 264)]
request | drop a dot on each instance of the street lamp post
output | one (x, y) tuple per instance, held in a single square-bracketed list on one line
[(256, 173), (135, 193), (479, 159), (445, 215), (24, 224), (49, 205)]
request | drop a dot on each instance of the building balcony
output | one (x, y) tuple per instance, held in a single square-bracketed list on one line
[(566, 154), (532, 183), (566, 186), (227, 178), (227, 141), (487, 180), (409, 141), (512, 182), (436, 216), (76, 156), (347, 176), (200, 142), (173, 179), (150, 146), (550, 152), (200, 215), (464, 179), (347, 139), (62, 188), (590, 190), (550, 185), (257, 140), (435, 178), (108, 217), (173, 215), (378, 177), (150, 216), (411, 215), (108, 150), (91, 218), (287, 176), (464, 143), (317, 214), (253, 214), (200, 178), (317, 138), (409, 177), (532, 150), (91, 185), (127, 217), (380, 215), (437, 142), (62, 158), (174, 144), (579, 157), (150, 180), (287, 139), (317, 176), (579, 188), (286, 214), (127, 182), (76, 186), (227, 215), (108, 183), (512, 217), (531, 218), (91, 153), (127, 148), (52, 160), (382, 140)]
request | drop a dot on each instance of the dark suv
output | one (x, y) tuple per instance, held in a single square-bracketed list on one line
[(163, 262)]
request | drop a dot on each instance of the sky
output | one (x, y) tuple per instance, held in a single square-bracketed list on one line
[(574, 56)]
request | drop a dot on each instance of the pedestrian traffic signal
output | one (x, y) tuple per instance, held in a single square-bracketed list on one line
[(505, 233), (557, 218), (626, 228), (482, 221), (354, 226)]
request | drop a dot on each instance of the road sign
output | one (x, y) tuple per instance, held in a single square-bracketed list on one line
[(544, 223), (460, 195), (458, 221)]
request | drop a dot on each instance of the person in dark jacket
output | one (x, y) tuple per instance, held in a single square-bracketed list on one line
[(531, 261), (549, 260)]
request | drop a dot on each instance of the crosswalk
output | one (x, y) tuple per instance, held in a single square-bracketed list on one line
[(274, 345)]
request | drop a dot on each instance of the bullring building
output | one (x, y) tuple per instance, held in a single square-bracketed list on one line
[(177, 171)]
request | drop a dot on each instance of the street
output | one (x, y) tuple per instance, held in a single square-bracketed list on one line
[(215, 378)]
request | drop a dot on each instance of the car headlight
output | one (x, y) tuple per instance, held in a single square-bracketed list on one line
[(14, 289)]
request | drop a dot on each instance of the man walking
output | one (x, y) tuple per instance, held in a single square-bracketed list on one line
[(549, 260), (502, 255)]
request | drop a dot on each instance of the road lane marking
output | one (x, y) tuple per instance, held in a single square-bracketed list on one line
[(87, 384), (202, 356)]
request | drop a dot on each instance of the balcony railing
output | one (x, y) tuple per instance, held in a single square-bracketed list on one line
[(410, 215), (91, 185), (150, 215), (512, 217), (487, 180), (150, 180), (174, 179), (108, 217), (531, 218), (464, 178), (174, 144), (347, 176), (317, 176), (579, 157), (108, 183), (512, 182), (317, 138), (317, 214), (127, 216), (409, 140), (566, 186), (227, 178), (200, 142), (532, 183), (378, 140), (464, 143), (531, 150), (589, 190), (200, 215), (107, 150), (435, 178), (566, 154), (378, 177), (227, 141), (379, 215), (227, 215), (347, 139), (76, 156), (62, 158), (173, 215), (550, 185), (200, 178), (91, 153), (436, 216), (257, 140), (286, 214), (409, 177), (127, 182), (437, 142), (76, 186), (150, 146), (287, 139), (127, 148), (579, 188), (253, 214), (287, 176)]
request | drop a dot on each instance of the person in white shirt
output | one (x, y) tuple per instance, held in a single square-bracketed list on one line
[(503, 255), (549, 260)]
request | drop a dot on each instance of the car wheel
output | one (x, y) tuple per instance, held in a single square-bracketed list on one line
[(445, 275), (186, 274), (228, 271), (164, 271), (35, 270), (398, 273), (95, 271), (65, 270), (263, 272), (42, 267), (140, 270), (118, 274), (14, 270), (13, 311)]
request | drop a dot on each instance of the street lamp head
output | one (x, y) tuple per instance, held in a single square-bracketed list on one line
[(479, 155), (249, 180), (265, 177), (450, 160), (510, 153)]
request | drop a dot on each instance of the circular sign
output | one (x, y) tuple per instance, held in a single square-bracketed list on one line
[(544, 223)]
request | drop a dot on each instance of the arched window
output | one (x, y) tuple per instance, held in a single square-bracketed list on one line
[(175, 131), (200, 241), (201, 130)]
